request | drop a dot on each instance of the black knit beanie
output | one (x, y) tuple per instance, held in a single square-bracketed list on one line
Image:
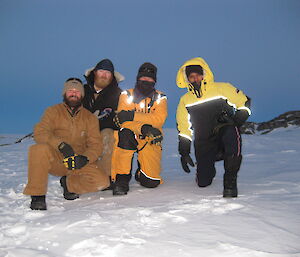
[(105, 64), (147, 70)]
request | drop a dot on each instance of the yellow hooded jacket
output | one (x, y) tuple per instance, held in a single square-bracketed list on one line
[(200, 114)]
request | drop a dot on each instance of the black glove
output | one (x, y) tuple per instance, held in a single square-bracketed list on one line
[(185, 160), (240, 117), (123, 116), (226, 116), (66, 149), (153, 133), (75, 162), (184, 149)]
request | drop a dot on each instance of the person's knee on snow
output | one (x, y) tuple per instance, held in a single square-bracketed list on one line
[(147, 181), (205, 179)]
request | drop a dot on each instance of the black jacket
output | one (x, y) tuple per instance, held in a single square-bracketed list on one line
[(108, 98)]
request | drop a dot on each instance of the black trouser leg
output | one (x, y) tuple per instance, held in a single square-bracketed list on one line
[(205, 155), (232, 144)]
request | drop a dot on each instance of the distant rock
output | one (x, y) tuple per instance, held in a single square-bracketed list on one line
[(282, 121)]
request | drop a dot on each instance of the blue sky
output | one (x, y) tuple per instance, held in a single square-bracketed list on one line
[(252, 44)]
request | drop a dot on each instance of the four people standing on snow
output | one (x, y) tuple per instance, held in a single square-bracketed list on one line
[(88, 148), (212, 113)]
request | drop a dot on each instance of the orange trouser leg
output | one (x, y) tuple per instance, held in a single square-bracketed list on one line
[(122, 160), (150, 161), (43, 159)]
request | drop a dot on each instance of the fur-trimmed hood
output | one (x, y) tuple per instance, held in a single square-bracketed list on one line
[(89, 76)]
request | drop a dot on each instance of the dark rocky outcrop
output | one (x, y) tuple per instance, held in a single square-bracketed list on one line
[(282, 121)]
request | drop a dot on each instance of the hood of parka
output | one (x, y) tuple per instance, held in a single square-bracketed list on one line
[(182, 80), (89, 76)]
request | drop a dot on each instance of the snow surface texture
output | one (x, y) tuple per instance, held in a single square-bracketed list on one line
[(175, 219)]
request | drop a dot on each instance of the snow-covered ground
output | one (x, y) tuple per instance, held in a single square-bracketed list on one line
[(175, 219)]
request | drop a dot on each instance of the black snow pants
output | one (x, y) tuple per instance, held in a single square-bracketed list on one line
[(226, 145)]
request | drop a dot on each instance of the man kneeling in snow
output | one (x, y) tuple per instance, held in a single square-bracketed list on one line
[(68, 145), (212, 112)]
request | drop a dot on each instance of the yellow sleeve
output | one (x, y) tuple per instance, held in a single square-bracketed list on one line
[(235, 97), (184, 125)]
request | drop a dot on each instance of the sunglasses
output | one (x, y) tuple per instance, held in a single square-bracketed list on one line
[(77, 79)]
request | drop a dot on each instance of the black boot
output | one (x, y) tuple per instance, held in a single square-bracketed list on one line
[(231, 165), (230, 185), (111, 185), (38, 203), (121, 186), (137, 175), (67, 195)]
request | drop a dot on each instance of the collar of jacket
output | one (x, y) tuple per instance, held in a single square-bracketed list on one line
[(71, 111)]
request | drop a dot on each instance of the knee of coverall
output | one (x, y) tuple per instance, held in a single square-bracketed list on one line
[(148, 182), (127, 139)]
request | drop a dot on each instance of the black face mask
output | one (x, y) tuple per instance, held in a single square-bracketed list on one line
[(196, 88), (143, 89)]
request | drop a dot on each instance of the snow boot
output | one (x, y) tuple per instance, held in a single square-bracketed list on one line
[(67, 195), (230, 185), (38, 203), (137, 175), (121, 186), (231, 165)]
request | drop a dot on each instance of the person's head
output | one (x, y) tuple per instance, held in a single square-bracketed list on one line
[(73, 92), (146, 72), (194, 74), (103, 74), (146, 79)]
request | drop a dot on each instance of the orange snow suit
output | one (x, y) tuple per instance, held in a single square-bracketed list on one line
[(152, 111)]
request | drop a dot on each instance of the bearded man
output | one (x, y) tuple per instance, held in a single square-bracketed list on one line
[(67, 145), (101, 98)]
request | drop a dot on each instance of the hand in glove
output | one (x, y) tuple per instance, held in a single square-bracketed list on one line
[(75, 162), (153, 133), (184, 149), (123, 116), (185, 160), (66, 149)]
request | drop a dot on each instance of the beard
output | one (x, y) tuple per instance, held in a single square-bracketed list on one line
[(102, 82), (73, 101)]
